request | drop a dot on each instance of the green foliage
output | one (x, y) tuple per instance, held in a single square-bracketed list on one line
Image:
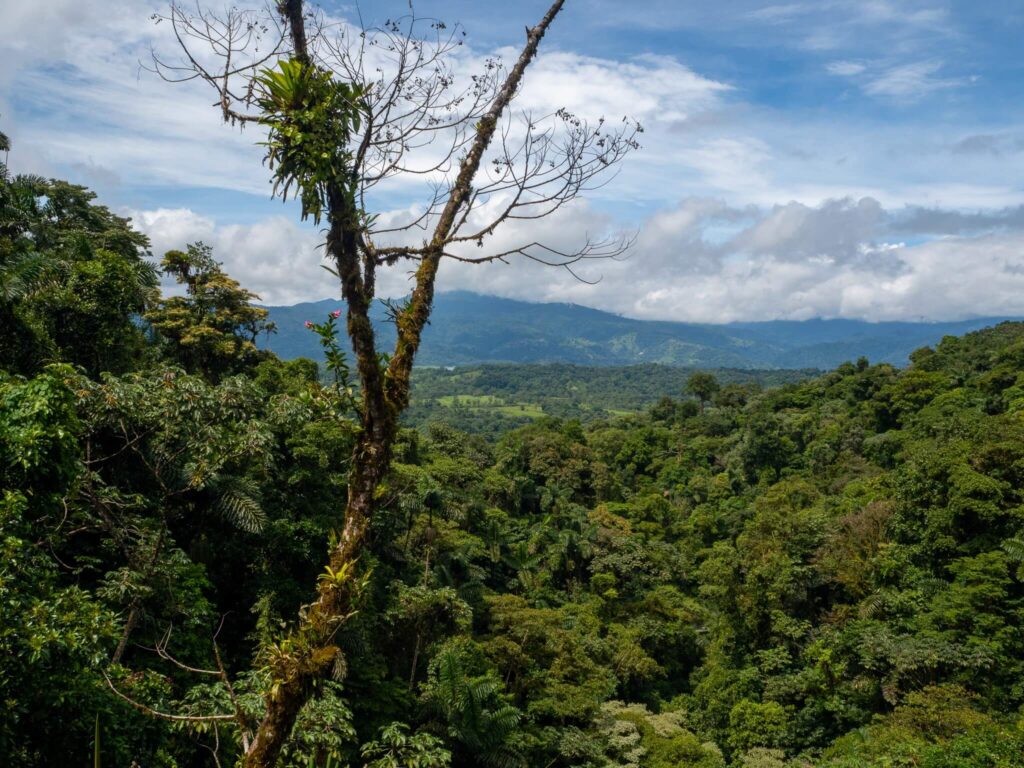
[(630, 735), (53, 634), (395, 747), (212, 329), (73, 278), (493, 399), (937, 727), (825, 573), (336, 361), (311, 118), (757, 724), (471, 709), (704, 386), (38, 436)]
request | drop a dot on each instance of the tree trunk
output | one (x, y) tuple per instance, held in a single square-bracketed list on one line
[(129, 626), (293, 677), (311, 649)]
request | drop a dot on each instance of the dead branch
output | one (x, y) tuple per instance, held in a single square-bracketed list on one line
[(163, 715)]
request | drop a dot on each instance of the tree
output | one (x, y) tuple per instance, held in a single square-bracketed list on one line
[(52, 633), (344, 113), (471, 709), (703, 386), (73, 278), (212, 329)]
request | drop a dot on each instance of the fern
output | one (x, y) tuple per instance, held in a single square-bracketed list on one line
[(239, 505), (872, 605), (1014, 548), (20, 276)]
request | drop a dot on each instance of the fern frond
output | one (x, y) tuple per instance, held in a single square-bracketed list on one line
[(239, 505), (1014, 548)]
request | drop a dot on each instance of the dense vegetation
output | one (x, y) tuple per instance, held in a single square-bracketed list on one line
[(491, 399), (828, 573)]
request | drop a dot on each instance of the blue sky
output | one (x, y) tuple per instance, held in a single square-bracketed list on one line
[(840, 158)]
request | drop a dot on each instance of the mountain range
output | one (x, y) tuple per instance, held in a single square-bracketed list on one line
[(469, 328)]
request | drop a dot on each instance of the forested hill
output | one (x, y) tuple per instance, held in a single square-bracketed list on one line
[(468, 328)]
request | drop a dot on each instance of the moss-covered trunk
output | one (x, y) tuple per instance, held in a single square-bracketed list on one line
[(311, 650)]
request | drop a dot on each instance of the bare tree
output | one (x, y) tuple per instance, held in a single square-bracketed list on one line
[(350, 111)]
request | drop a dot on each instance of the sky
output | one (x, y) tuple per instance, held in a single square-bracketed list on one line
[(836, 158)]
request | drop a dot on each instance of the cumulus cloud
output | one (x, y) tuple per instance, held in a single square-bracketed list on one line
[(938, 221), (701, 260), (275, 258), (744, 209), (838, 230)]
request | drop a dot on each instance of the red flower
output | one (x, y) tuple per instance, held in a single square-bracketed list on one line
[(336, 314), (309, 324)]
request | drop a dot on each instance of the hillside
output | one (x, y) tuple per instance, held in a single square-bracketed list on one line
[(824, 574), (468, 328)]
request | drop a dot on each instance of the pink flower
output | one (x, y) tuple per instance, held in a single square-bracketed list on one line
[(309, 324), (336, 314)]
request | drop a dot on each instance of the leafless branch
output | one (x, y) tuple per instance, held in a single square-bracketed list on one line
[(161, 650), (425, 121), (224, 49), (423, 105), (163, 715)]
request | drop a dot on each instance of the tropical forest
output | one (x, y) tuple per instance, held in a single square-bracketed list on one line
[(215, 554)]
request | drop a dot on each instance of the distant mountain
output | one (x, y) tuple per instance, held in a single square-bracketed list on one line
[(468, 328)]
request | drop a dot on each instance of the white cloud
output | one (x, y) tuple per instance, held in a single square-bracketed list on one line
[(702, 261), (845, 68), (646, 88), (43, 31), (911, 81), (907, 81), (787, 211), (275, 258), (90, 102), (778, 14)]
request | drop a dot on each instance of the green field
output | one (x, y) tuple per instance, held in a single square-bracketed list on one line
[(484, 404), (491, 399)]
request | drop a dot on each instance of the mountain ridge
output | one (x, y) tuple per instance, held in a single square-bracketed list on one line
[(468, 328)]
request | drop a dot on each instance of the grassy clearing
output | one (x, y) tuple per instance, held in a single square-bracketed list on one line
[(618, 412), (492, 404), (470, 401), (530, 410)]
